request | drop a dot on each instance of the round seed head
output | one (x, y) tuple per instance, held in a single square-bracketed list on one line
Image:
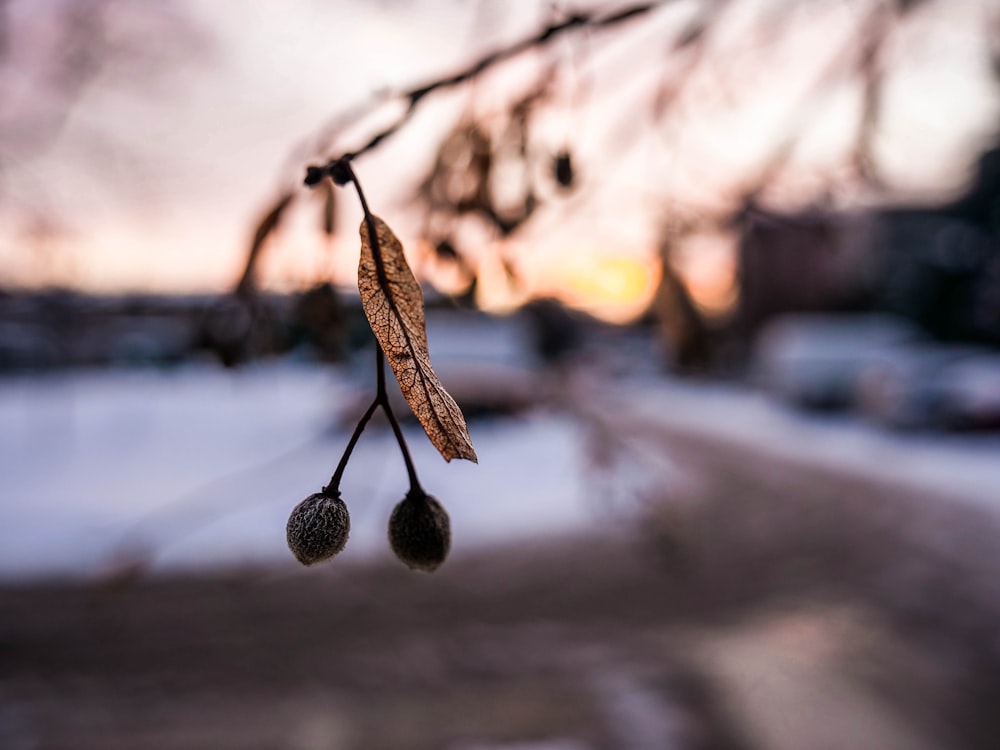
[(420, 532), (318, 528)]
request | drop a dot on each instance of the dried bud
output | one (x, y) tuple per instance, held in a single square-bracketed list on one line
[(446, 251), (563, 169), (314, 176), (420, 532), (318, 528), (341, 172)]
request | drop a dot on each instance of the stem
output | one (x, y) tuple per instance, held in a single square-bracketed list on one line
[(417, 95), (333, 488), (383, 400), (360, 192), (381, 394), (345, 164)]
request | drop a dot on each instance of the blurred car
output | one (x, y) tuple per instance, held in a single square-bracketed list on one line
[(27, 346), (484, 361), (816, 360), (972, 393), (909, 387)]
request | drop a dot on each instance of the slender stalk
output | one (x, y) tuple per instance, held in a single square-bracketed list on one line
[(381, 394), (344, 164), (383, 399), (333, 488)]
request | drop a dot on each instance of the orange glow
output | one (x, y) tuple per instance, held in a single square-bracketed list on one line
[(707, 265), (610, 283), (614, 288)]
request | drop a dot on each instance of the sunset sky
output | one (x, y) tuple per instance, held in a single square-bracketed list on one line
[(152, 176)]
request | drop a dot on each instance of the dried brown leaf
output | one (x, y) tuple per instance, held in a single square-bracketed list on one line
[(394, 305)]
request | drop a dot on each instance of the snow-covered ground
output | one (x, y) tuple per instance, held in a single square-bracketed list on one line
[(961, 466), (199, 467)]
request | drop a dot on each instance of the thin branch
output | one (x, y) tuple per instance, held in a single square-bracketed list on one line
[(414, 96), (345, 174), (383, 399), (333, 488)]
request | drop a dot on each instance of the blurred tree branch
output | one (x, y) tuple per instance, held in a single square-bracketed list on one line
[(414, 96), (478, 155), (50, 54), (862, 58), (270, 220)]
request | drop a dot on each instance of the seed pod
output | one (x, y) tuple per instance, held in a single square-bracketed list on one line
[(420, 532), (318, 528)]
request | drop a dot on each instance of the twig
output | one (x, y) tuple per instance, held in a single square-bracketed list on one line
[(414, 96), (342, 173)]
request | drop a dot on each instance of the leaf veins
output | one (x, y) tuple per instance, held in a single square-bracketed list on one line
[(394, 305)]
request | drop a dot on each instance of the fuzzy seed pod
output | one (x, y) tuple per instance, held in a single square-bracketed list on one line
[(420, 532), (318, 528)]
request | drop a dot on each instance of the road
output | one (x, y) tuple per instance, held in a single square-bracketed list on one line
[(753, 601)]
